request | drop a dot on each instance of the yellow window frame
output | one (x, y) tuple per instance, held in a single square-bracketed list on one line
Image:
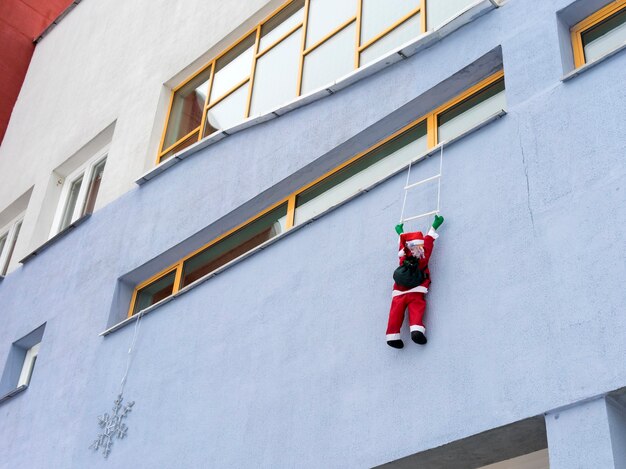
[(249, 81), (431, 134), (580, 28)]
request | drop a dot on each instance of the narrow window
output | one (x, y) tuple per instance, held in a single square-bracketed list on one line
[(8, 239), (471, 111), (185, 117), (28, 366), (599, 34), (71, 202)]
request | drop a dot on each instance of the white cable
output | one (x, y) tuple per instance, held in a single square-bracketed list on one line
[(130, 352)]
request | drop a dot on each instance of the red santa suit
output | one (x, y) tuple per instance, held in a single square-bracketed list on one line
[(411, 298)]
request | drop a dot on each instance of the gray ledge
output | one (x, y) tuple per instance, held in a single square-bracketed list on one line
[(574, 73), (12, 393), (293, 229), (55, 238), (465, 16)]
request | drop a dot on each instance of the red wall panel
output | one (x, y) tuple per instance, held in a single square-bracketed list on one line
[(21, 21)]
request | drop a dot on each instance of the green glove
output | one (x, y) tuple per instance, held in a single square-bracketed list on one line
[(400, 228), (437, 222)]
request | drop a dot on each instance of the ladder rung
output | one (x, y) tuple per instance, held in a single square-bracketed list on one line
[(422, 181), (419, 216)]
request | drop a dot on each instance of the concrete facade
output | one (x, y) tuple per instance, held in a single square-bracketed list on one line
[(279, 361)]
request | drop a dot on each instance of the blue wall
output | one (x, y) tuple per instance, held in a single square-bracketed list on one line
[(280, 361)]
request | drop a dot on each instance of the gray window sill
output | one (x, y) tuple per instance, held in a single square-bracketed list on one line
[(469, 14), (12, 393), (574, 73), (292, 230), (55, 238)]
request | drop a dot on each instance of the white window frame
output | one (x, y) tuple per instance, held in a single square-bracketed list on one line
[(86, 172), (27, 367), (11, 231)]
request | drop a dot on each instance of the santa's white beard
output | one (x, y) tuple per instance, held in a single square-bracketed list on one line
[(417, 251)]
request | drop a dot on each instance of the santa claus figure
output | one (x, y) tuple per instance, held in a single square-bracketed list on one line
[(412, 280)]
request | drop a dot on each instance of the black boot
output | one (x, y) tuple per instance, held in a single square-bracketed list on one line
[(418, 337), (395, 343)]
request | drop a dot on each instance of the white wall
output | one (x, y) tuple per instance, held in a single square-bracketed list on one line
[(107, 62)]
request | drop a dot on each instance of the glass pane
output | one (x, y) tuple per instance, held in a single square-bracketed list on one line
[(361, 174), (11, 248), (233, 67), (439, 11), (325, 16), (471, 112), (408, 30), (280, 24), (187, 107), (228, 112), (331, 60), (3, 241), (276, 75), (378, 15), (234, 245), (605, 36), (155, 292), (193, 138), (94, 187), (70, 204)]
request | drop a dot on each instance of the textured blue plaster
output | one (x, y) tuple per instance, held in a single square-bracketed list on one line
[(280, 361)]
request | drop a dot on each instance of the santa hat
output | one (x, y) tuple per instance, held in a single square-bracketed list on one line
[(407, 240)]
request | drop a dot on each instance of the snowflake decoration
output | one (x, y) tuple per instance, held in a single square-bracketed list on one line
[(113, 426)]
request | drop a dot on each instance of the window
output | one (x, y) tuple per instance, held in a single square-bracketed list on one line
[(8, 239), (79, 193), (468, 110), (301, 47), (600, 33), (210, 258), (28, 366), (18, 370)]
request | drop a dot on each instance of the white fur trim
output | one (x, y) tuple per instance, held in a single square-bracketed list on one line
[(415, 242), (401, 253), (422, 329), (393, 337), (432, 233), (418, 289)]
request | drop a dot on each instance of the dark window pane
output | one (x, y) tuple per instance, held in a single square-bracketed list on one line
[(187, 108), (605, 36), (94, 187), (155, 292), (234, 245)]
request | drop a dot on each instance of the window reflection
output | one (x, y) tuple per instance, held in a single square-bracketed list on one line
[(187, 106)]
